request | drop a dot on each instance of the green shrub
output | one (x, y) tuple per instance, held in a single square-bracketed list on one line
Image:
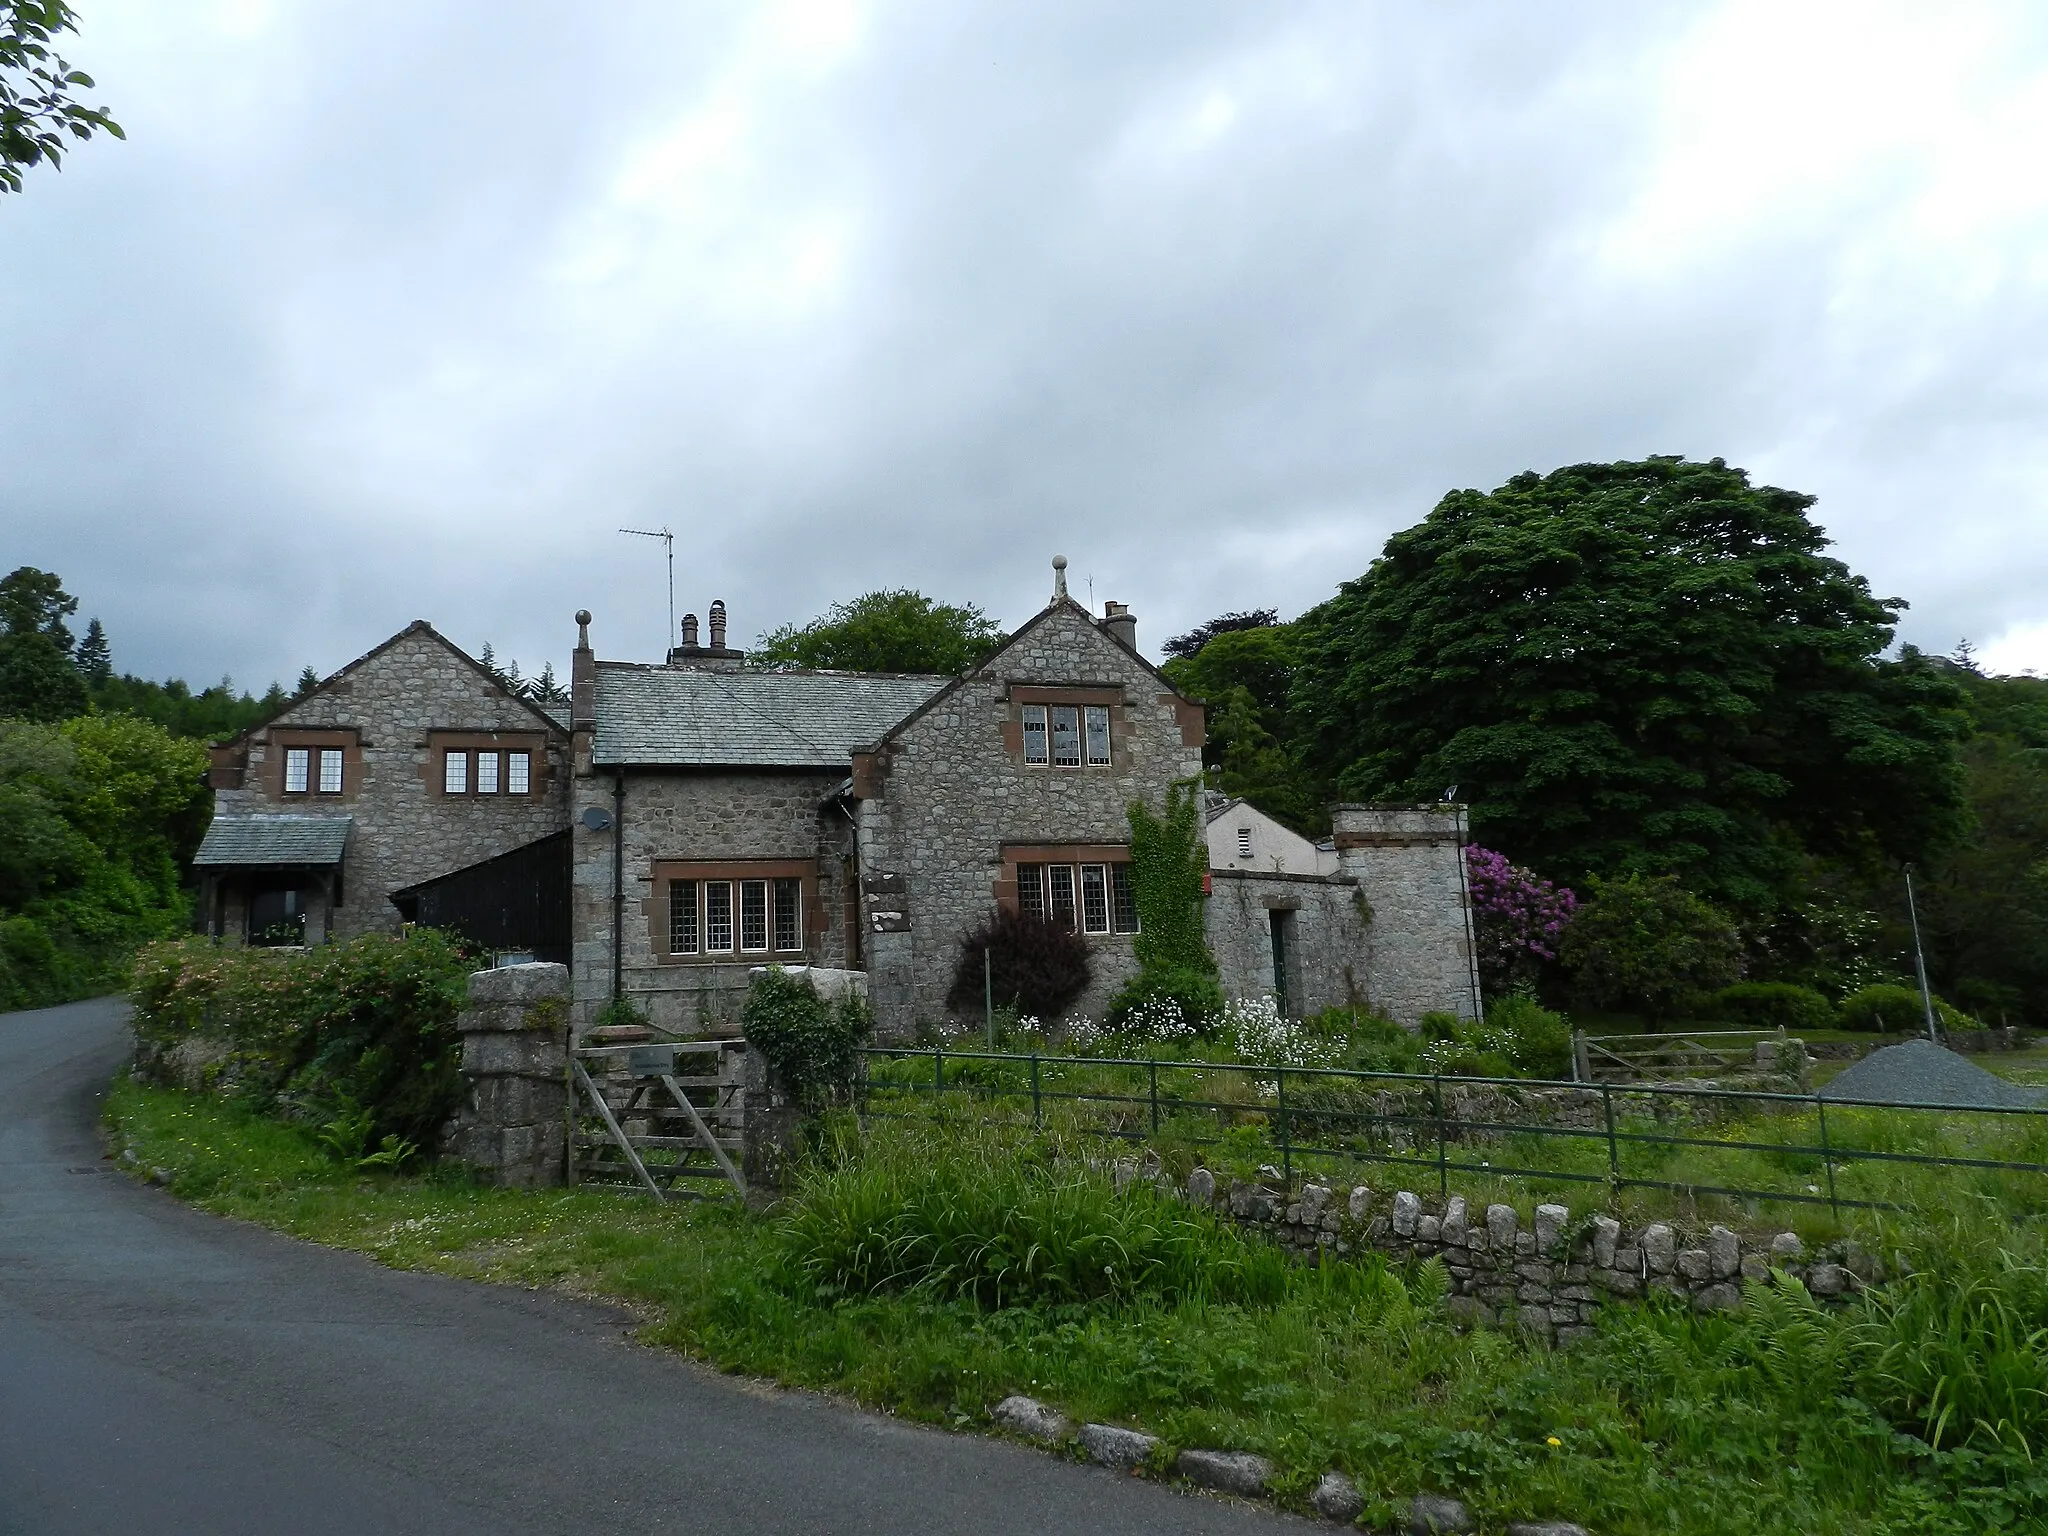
[(1775, 1005), (1002, 1222), (1035, 967), (1896, 1010), (356, 1038), (1645, 944), (1165, 1005), (1542, 1040), (813, 1045)]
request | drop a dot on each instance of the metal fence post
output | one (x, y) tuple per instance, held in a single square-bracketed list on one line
[(1827, 1158), (1286, 1140), (938, 1073), (1152, 1071), (1443, 1171), (1037, 1115), (1613, 1150)]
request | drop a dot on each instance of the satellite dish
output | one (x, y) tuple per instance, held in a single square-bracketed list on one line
[(597, 818)]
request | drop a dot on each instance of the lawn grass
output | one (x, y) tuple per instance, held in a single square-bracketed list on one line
[(1666, 1422)]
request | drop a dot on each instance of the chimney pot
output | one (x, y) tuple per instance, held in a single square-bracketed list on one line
[(1121, 623), (718, 624), (689, 629)]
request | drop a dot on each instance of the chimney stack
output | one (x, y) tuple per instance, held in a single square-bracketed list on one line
[(1121, 623), (713, 657)]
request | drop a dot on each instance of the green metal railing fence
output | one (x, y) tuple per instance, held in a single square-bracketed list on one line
[(1311, 1124)]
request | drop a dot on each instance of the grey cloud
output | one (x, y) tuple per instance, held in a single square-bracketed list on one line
[(384, 314)]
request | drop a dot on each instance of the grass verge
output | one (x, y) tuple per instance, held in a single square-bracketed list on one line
[(1770, 1421)]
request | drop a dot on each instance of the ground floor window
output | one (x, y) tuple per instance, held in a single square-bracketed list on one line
[(725, 917), (1089, 898)]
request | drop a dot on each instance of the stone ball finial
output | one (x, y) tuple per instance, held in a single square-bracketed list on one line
[(582, 629), (582, 616), (1059, 562), (1059, 578)]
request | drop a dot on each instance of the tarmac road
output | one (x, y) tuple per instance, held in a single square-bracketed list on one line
[(162, 1370)]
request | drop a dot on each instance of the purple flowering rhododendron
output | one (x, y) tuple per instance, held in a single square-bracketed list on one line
[(1517, 917)]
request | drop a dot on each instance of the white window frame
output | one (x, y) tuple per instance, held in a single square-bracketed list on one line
[(1092, 716), (455, 771), (487, 773), (1068, 715), (330, 770), (724, 889), (753, 909), (690, 928), (518, 773), (1037, 738), (1094, 894), (298, 769)]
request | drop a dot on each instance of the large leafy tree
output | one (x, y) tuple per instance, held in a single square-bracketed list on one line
[(37, 109), (1635, 668), (896, 631), (1244, 673)]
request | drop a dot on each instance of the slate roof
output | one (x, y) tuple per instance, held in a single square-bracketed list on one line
[(242, 841), (683, 717)]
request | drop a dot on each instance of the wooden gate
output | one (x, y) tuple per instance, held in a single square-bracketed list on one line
[(656, 1115), (1659, 1058)]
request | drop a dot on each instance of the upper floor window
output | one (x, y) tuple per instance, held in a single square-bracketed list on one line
[(485, 771), (1066, 735), (311, 769)]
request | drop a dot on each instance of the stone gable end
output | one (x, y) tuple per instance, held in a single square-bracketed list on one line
[(391, 711), (951, 790)]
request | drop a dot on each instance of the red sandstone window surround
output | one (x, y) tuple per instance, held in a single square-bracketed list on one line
[(1065, 729), (485, 764), (313, 764), (750, 909), (1085, 887)]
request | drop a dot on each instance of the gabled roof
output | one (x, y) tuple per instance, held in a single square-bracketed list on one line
[(416, 627), (652, 716), (245, 841), (1059, 604)]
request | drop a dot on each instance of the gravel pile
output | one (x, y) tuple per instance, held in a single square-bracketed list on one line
[(1920, 1072)]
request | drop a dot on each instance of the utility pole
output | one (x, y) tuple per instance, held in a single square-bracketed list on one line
[(668, 540), (1920, 960)]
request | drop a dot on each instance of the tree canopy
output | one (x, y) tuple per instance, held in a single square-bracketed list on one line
[(1634, 668), (893, 631), (1245, 675), (37, 109)]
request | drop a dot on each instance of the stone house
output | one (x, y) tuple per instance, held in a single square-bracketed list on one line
[(695, 819), (408, 764)]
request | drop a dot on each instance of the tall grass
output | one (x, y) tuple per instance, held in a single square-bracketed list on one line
[(1005, 1221)]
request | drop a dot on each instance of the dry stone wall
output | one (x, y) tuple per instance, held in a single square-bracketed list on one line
[(1547, 1278)]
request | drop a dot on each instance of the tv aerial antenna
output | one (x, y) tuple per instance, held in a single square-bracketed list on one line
[(668, 540)]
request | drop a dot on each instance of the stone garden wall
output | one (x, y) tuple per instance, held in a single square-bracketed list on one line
[(1549, 1278)]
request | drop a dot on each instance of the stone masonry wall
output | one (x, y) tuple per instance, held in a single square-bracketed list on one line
[(1409, 864), (404, 830), (1327, 960), (1548, 1279), (700, 815), (954, 792)]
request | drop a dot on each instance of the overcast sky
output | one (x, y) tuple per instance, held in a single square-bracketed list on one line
[(399, 310)]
